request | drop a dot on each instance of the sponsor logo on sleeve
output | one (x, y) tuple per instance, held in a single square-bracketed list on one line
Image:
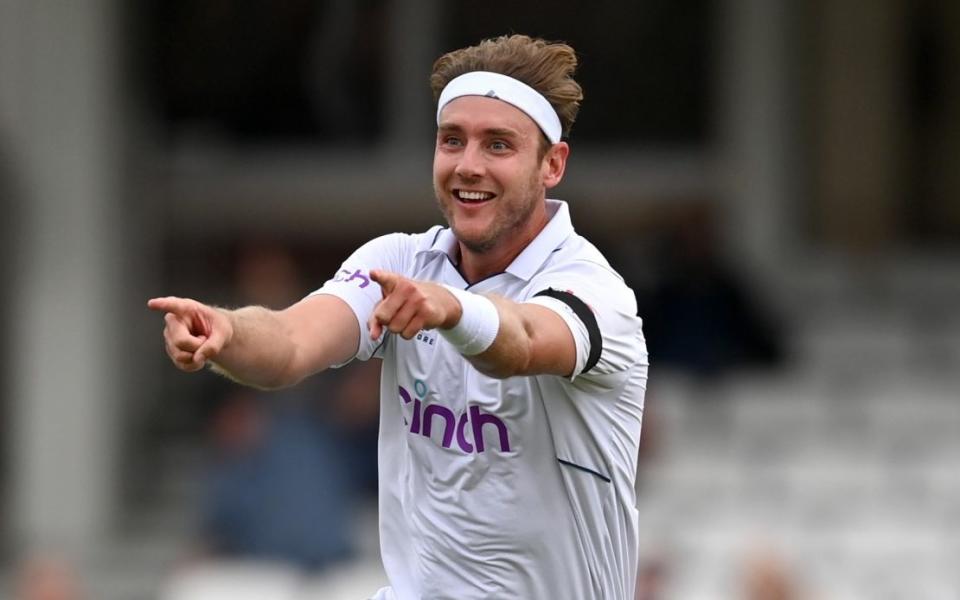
[(358, 276)]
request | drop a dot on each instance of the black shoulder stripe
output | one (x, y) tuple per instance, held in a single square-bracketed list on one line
[(587, 317)]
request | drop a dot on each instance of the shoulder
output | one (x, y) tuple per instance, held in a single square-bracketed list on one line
[(578, 252), (579, 265), (395, 250)]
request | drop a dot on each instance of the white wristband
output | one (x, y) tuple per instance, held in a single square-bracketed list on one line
[(478, 325)]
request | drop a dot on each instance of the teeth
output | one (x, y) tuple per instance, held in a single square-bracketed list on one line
[(465, 195)]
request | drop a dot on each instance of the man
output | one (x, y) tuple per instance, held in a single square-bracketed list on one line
[(514, 365)]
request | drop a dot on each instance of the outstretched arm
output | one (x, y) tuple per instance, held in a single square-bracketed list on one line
[(530, 339), (257, 346)]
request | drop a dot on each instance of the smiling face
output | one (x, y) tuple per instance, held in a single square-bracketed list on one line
[(489, 175)]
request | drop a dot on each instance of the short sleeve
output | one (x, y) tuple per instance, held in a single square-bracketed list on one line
[(601, 312), (352, 283)]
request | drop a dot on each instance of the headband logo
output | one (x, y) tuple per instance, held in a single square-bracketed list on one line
[(491, 94)]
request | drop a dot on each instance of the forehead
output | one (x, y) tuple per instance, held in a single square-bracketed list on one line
[(480, 112)]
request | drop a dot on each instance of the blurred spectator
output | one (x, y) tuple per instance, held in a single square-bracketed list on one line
[(651, 579), (700, 314), (766, 577), (46, 578), (286, 467), (276, 489)]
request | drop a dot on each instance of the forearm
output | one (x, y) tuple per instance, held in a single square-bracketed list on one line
[(261, 351), (512, 349), (500, 337), (530, 340)]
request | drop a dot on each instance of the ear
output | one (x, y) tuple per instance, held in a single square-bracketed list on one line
[(554, 164)]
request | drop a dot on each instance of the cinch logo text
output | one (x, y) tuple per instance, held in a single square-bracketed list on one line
[(348, 276), (425, 418)]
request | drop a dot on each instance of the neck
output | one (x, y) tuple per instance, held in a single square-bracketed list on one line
[(475, 266)]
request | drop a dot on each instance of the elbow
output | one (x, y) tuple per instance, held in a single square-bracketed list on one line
[(496, 371), (293, 371), (277, 383), (288, 373), (284, 379), (504, 365)]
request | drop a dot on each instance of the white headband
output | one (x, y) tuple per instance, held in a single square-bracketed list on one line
[(508, 89)]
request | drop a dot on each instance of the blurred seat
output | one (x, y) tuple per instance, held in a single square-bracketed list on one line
[(234, 581)]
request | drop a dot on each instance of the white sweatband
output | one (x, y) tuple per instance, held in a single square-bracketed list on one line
[(511, 91), (478, 325)]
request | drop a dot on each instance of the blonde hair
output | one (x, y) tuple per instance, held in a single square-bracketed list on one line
[(545, 66)]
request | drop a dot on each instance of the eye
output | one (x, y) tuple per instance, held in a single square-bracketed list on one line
[(451, 141), (499, 146)]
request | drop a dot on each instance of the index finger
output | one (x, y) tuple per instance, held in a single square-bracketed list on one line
[(386, 279), (170, 304)]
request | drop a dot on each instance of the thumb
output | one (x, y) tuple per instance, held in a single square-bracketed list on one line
[(375, 328), (387, 280)]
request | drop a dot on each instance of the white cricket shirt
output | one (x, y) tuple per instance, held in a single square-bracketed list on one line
[(507, 488)]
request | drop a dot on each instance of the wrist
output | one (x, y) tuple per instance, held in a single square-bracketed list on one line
[(227, 323), (477, 326), (454, 310)]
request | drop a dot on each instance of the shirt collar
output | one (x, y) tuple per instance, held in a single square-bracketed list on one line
[(528, 262)]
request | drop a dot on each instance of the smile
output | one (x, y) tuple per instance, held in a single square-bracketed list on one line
[(473, 197)]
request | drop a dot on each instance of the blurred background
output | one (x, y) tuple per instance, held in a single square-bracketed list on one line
[(778, 181)]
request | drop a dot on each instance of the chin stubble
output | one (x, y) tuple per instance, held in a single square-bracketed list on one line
[(512, 226)]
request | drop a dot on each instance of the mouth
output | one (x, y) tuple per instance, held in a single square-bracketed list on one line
[(472, 196)]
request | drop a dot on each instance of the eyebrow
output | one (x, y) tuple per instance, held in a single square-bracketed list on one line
[(490, 131)]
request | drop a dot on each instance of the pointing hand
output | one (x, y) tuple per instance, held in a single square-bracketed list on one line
[(409, 306), (194, 332)]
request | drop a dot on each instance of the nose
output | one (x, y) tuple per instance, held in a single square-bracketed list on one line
[(470, 163)]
